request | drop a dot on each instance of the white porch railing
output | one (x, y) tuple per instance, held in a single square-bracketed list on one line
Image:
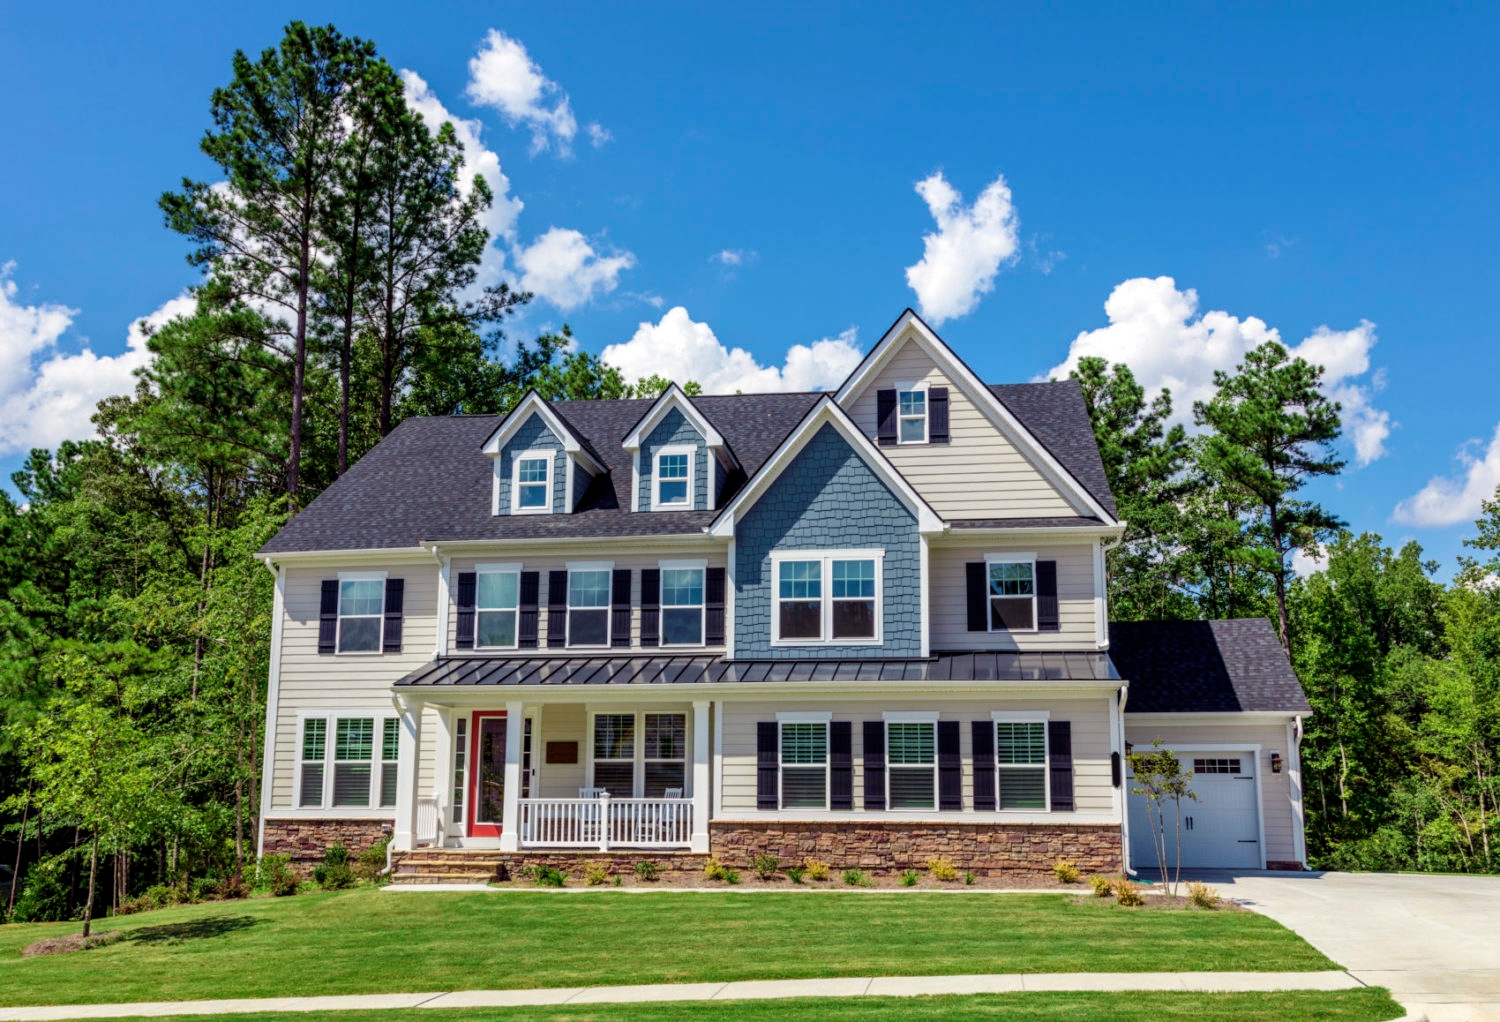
[(606, 823), (427, 821)]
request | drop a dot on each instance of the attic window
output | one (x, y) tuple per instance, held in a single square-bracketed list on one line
[(672, 484), (911, 408), (531, 491)]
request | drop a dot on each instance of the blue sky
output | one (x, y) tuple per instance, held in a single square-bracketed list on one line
[(683, 181)]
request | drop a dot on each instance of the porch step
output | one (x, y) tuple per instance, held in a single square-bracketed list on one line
[(479, 866), (447, 866)]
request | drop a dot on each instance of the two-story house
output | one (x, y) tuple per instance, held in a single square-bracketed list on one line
[(869, 626)]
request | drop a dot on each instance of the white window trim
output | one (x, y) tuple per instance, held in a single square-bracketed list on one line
[(638, 770), (509, 568), (910, 717), (989, 617), (515, 481), (825, 598), (1041, 717), (690, 564), (608, 608), (338, 635), (330, 717), (912, 388), (692, 477), (826, 720)]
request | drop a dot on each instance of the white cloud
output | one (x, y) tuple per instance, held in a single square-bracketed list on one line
[(733, 257), (47, 396), (503, 76), (1306, 563), (1447, 500), (960, 261), (562, 267), (1157, 330), (598, 134), (683, 350)]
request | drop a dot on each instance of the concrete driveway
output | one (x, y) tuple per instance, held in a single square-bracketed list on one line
[(1433, 941)]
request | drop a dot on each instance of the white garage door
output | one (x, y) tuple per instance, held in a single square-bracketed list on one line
[(1219, 831)]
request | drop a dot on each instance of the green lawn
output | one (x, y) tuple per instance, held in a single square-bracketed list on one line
[(370, 941), (1364, 1005)]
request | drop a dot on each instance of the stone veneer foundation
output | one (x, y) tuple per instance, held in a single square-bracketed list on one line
[(306, 840)]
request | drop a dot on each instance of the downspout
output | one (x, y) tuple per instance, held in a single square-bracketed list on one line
[(1124, 788)]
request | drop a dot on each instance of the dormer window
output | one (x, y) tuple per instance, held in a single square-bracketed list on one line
[(672, 479), (911, 407), (531, 490)]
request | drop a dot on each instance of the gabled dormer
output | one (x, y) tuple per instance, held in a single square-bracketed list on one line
[(679, 460), (541, 464)]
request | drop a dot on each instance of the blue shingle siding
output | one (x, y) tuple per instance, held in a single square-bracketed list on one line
[(534, 437), (674, 430), (827, 499)]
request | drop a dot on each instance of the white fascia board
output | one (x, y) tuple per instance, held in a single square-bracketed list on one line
[(827, 411), (975, 389), (768, 696), (1241, 718), (336, 558), (673, 397), (531, 404)]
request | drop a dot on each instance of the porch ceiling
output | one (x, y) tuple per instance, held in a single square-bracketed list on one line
[(636, 669)]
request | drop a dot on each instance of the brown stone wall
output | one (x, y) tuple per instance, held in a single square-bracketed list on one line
[(306, 840), (989, 849)]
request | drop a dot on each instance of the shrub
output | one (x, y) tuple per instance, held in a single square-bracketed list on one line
[(817, 869), (334, 873), (370, 863), (647, 870), (619, 880), (857, 878), (203, 889), (1065, 871), (545, 876), (969, 877), (1103, 886), (1128, 894), (765, 865), (731, 876), (1202, 895), (595, 874), (274, 874), (713, 869), (795, 873), (942, 868), (43, 899), (910, 877)]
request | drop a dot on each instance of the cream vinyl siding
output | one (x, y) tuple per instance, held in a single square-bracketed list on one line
[(551, 562), (949, 594), (310, 680), (561, 722), (1275, 789), (1089, 717), (979, 473)]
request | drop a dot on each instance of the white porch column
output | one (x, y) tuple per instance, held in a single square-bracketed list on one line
[(442, 773), (510, 830), (701, 785), (408, 757)]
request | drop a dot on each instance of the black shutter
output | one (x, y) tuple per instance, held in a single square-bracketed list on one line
[(1114, 769), (557, 609), (650, 606), (1046, 597), (984, 765), (767, 733), (937, 415), (977, 579), (328, 616), (467, 583), (395, 597), (841, 764), (885, 416), (950, 766), (619, 609), (1060, 762), (874, 764), (713, 607), (530, 595)]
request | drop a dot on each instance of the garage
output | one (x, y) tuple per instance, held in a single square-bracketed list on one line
[(1221, 830)]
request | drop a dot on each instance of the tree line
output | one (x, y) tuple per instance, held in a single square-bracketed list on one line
[(340, 253)]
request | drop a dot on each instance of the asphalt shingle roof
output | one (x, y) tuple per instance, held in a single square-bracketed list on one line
[(1204, 667), (1055, 414)]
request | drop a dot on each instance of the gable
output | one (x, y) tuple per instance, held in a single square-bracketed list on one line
[(674, 430), (532, 436)]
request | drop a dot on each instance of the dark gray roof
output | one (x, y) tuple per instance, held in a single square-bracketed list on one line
[(1055, 414), (648, 669), (1204, 667)]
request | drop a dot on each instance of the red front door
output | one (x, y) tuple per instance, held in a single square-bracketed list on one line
[(487, 775)]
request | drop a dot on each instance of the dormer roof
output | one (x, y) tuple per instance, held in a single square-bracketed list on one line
[(674, 397), (574, 443)]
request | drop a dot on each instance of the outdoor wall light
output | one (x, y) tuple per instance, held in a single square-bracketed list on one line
[(1275, 762)]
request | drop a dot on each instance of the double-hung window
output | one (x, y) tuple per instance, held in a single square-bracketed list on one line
[(665, 753), (911, 763), (1021, 757), (804, 764), (353, 749), (657, 762), (361, 614), (681, 606), (496, 605), (588, 606), (314, 750), (348, 760), (390, 751), (826, 597), (672, 482), (1012, 595), (911, 411), (531, 489), (614, 753)]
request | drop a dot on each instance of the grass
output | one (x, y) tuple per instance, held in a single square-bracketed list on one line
[(1368, 1004), (367, 941)]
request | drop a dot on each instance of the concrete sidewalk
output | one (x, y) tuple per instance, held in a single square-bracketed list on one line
[(865, 986)]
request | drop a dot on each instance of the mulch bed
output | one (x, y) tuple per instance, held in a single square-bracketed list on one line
[(66, 945)]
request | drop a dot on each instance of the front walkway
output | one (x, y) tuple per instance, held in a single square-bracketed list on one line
[(866, 986)]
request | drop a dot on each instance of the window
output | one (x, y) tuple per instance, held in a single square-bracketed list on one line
[(804, 765), (353, 744), (665, 753), (1216, 766), (460, 760), (390, 752), (672, 483), (361, 614), (681, 606), (349, 762), (588, 607), (496, 605), (911, 407), (531, 491), (614, 753), (831, 596), (314, 742), (1012, 596), (911, 764), (1021, 754)]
